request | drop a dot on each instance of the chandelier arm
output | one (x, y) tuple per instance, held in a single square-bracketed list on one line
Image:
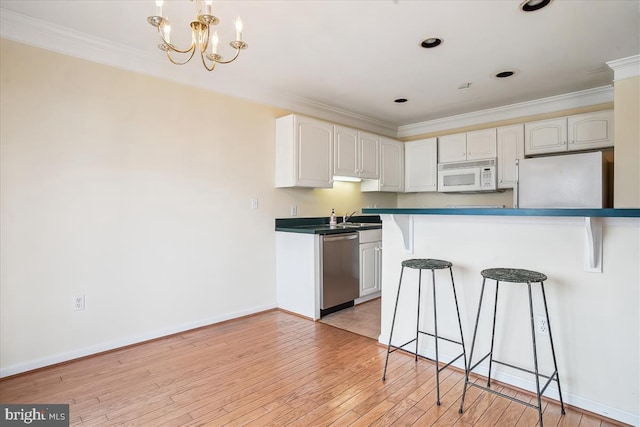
[(173, 48), (204, 62), (230, 60), (178, 62)]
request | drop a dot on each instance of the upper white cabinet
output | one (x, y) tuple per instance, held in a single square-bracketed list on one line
[(573, 133), (304, 152), (481, 144), (476, 145), (590, 130), (452, 148), (510, 147), (356, 153), (391, 168), (421, 165), (545, 136)]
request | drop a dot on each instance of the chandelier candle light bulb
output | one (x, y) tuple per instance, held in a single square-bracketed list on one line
[(159, 7), (238, 29), (214, 43), (166, 31), (208, 7)]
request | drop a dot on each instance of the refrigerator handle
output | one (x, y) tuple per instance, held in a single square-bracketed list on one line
[(516, 185)]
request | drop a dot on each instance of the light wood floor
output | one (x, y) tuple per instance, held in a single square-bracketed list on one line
[(269, 369)]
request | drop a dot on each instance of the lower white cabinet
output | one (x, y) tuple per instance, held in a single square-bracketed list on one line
[(370, 262)]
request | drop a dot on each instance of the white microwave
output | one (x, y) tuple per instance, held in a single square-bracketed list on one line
[(470, 176)]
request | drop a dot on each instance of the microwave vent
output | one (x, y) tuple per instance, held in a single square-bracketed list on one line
[(470, 164)]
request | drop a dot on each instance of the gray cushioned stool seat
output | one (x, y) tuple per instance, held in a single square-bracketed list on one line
[(426, 264), (513, 275)]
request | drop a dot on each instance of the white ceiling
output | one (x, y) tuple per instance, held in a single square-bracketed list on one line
[(355, 57)]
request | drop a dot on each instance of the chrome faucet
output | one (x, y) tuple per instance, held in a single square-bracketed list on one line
[(348, 217)]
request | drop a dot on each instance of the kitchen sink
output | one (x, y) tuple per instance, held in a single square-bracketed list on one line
[(357, 224)]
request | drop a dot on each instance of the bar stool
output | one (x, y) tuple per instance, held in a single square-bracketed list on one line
[(514, 275), (426, 264)]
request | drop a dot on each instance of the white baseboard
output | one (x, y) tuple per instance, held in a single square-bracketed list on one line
[(499, 374), (123, 342), (367, 298)]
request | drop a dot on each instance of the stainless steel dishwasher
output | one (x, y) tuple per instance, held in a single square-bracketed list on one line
[(340, 271)]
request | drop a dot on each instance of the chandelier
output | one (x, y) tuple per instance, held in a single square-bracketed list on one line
[(203, 38)]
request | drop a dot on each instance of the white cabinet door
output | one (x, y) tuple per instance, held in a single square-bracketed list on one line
[(590, 130), (510, 147), (370, 268), (481, 144), (545, 136), (391, 165), (452, 148), (421, 165), (369, 155), (304, 152), (345, 161)]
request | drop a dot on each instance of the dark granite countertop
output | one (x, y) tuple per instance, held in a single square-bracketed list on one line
[(320, 225), (608, 213)]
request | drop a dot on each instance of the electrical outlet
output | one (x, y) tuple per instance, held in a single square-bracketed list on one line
[(542, 327), (78, 303), (254, 203), (294, 210)]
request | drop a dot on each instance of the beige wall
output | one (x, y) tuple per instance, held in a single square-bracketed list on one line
[(135, 192), (627, 136)]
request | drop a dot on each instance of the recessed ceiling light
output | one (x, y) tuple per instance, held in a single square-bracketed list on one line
[(506, 73), (401, 100), (533, 5), (431, 42)]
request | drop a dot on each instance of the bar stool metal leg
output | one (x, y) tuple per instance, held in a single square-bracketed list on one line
[(435, 328), (418, 315), (393, 323), (493, 333), (553, 351), (455, 299), (535, 353), (473, 344)]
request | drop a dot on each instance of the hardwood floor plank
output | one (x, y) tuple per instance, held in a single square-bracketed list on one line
[(408, 418), (395, 413), (514, 410), (572, 418), (269, 369), (589, 421)]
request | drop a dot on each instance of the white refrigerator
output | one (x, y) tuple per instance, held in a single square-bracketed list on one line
[(563, 181)]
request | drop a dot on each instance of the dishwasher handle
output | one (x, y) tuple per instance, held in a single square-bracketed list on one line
[(346, 236)]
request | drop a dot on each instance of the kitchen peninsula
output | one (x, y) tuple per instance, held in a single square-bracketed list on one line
[(592, 260)]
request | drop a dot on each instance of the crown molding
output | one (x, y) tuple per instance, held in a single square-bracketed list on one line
[(625, 68), (551, 104)]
